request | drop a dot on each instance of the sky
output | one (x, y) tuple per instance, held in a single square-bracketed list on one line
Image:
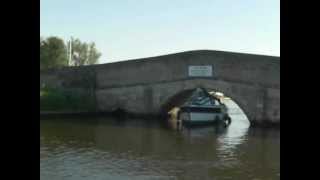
[(131, 29)]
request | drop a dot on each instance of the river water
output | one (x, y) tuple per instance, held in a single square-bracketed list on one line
[(106, 148)]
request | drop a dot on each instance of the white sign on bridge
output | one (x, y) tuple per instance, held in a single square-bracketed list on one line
[(200, 71)]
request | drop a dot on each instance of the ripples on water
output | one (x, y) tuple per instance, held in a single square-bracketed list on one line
[(136, 149)]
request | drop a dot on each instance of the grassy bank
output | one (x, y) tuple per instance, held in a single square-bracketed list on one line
[(55, 99)]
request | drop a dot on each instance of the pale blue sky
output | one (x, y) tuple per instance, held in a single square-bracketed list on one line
[(129, 29)]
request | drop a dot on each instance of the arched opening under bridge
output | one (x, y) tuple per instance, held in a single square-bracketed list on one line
[(235, 111)]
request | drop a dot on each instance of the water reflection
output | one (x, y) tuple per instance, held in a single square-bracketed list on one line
[(105, 148), (225, 140), (227, 137), (233, 135)]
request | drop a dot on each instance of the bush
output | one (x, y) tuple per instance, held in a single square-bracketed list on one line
[(54, 99)]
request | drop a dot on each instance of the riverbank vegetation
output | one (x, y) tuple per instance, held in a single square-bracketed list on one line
[(56, 53), (56, 99)]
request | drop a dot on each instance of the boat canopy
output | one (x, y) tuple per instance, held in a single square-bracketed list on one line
[(200, 97)]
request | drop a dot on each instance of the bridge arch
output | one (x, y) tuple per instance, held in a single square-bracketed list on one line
[(238, 93)]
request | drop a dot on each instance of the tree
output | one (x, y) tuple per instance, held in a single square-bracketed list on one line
[(93, 54), (84, 53), (53, 53)]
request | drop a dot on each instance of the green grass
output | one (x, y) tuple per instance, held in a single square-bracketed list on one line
[(55, 99)]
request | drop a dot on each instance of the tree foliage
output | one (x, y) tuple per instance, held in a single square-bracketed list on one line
[(84, 53), (53, 53)]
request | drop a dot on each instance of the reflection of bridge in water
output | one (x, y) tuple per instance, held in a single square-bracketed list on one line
[(143, 147), (229, 136), (227, 139)]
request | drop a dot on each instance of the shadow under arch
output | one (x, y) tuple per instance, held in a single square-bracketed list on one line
[(179, 98)]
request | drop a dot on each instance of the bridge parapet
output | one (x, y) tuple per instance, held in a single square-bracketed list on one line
[(245, 68)]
